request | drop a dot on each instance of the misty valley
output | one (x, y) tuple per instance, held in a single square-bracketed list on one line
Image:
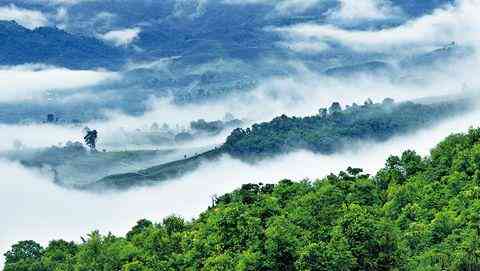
[(74, 164), (239, 135), (332, 130)]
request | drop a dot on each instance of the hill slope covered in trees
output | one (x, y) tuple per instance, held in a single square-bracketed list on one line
[(332, 130), (414, 214)]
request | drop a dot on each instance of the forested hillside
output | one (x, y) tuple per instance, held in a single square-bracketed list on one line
[(335, 128), (414, 214), (331, 130)]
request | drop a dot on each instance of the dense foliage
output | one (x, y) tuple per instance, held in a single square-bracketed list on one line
[(414, 214), (332, 130)]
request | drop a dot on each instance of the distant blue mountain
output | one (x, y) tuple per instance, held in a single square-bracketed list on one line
[(216, 49), (415, 8), (197, 30), (19, 45), (438, 56), (372, 67)]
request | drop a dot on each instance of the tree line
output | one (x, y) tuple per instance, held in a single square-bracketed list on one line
[(416, 213), (333, 129)]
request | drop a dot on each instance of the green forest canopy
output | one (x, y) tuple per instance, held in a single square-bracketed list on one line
[(335, 128), (414, 214), (331, 130)]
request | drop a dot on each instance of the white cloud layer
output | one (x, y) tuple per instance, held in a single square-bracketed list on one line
[(355, 10), (26, 17), (459, 23), (27, 82), (121, 37), (61, 2), (283, 7)]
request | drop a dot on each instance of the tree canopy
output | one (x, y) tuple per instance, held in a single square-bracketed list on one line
[(339, 128), (414, 214)]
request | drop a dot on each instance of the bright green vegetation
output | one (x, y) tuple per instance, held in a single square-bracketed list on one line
[(414, 214), (330, 131), (335, 129)]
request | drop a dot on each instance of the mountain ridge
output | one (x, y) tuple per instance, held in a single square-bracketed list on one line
[(53, 46), (330, 131)]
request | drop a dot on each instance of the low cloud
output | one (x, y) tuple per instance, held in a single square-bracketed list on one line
[(305, 46), (458, 23), (295, 6), (26, 17), (282, 7), (37, 136), (297, 95), (61, 2), (351, 11), (30, 82), (348, 10), (122, 37)]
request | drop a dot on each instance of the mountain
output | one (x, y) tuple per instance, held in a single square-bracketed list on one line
[(414, 214), (372, 68), (417, 8), (325, 133), (53, 46), (197, 30), (440, 56)]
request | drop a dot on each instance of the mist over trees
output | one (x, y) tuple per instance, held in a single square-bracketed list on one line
[(414, 214), (334, 129), (331, 131)]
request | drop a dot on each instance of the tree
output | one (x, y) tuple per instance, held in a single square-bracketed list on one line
[(135, 266), (24, 250), (173, 224), (50, 118), (60, 255), (335, 108), (142, 225), (219, 263), (326, 257), (388, 101), (91, 139), (368, 102), (322, 112), (371, 241), (155, 127), (282, 244), (24, 256)]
